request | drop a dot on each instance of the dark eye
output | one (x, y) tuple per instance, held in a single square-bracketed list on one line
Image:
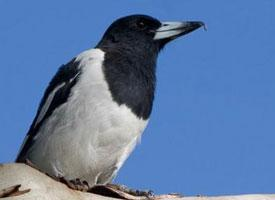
[(141, 25)]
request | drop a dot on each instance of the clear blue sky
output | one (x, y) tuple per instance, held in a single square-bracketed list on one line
[(212, 130)]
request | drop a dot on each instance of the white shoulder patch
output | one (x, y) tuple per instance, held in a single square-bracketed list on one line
[(90, 54), (83, 58)]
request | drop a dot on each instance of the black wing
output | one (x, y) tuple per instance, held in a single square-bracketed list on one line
[(55, 95)]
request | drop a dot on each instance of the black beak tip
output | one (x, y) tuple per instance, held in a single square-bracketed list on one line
[(201, 24)]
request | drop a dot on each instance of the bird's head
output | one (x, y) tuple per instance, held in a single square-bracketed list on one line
[(144, 33)]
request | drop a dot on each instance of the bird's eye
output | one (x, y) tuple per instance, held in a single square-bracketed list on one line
[(141, 25)]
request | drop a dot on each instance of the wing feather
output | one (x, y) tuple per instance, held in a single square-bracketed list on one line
[(55, 95)]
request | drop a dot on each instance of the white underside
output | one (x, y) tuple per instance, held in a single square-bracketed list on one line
[(90, 136)]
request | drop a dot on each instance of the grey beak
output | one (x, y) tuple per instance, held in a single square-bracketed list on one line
[(175, 29)]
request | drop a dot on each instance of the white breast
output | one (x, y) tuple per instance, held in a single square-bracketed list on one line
[(90, 136)]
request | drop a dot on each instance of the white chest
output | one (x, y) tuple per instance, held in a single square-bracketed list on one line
[(89, 136)]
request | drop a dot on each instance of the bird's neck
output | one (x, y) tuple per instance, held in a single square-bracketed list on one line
[(131, 79)]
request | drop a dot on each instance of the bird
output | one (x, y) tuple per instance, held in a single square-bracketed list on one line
[(96, 107)]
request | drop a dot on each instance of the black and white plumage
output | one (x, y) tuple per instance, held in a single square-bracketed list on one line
[(96, 107)]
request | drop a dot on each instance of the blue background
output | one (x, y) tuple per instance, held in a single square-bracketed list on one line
[(212, 130)]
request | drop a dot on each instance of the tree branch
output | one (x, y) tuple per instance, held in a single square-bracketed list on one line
[(21, 182)]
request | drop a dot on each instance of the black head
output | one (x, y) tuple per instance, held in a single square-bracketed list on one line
[(131, 45), (144, 33)]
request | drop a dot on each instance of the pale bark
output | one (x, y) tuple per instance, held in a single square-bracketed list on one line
[(36, 185)]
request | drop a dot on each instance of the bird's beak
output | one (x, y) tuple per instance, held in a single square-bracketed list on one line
[(172, 30)]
